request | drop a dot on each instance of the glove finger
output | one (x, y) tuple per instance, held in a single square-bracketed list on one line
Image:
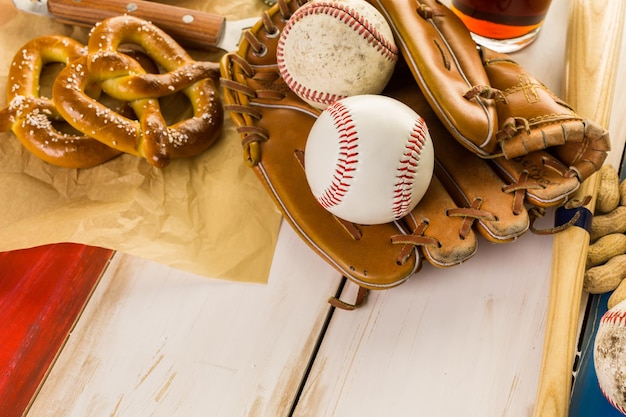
[(462, 198), (445, 63), (532, 118), (443, 240), (545, 181), (588, 155), (479, 192), (274, 125), (499, 216)]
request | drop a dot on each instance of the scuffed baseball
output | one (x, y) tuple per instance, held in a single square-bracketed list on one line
[(369, 159), (609, 356), (329, 50)]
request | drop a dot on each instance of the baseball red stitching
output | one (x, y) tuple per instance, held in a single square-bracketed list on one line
[(614, 317), (351, 18), (348, 156), (407, 171), (617, 317)]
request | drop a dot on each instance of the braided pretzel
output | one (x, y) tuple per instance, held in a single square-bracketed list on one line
[(123, 78), (31, 116)]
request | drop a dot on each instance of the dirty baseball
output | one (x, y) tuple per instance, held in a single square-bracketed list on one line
[(329, 50), (610, 356), (369, 159)]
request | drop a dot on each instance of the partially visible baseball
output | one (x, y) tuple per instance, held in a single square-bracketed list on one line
[(330, 50), (369, 159), (609, 356)]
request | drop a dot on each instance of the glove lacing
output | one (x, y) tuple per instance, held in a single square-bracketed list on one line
[(417, 238)]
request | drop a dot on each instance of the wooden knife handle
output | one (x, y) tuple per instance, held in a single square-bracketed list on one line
[(187, 26)]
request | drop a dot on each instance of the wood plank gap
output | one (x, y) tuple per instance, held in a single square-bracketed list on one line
[(316, 348)]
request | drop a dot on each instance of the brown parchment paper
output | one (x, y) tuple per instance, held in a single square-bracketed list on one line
[(208, 215)]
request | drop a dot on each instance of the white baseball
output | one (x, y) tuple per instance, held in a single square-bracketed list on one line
[(329, 50), (369, 159), (609, 356)]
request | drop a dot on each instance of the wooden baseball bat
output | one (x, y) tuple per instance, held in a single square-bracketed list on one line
[(593, 43)]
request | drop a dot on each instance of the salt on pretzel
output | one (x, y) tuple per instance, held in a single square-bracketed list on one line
[(122, 78), (30, 116)]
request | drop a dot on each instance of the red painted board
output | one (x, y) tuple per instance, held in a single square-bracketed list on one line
[(42, 293)]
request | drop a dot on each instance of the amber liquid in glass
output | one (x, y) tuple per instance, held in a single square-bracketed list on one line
[(501, 19)]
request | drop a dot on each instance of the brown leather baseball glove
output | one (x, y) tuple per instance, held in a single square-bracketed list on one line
[(468, 197), (490, 104)]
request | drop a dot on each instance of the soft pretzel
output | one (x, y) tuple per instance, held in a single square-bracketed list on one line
[(30, 116), (122, 78)]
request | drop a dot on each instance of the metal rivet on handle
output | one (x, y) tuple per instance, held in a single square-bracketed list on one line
[(187, 18), (131, 7)]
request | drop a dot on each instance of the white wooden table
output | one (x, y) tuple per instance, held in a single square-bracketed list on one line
[(154, 341)]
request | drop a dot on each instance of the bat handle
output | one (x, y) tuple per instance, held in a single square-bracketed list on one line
[(569, 251)]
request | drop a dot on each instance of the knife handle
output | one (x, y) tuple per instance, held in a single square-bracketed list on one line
[(187, 26)]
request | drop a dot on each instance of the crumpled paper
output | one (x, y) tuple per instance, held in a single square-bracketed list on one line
[(208, 215)]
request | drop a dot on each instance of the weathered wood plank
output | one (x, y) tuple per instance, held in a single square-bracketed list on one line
[(462, 341), (158, 341)]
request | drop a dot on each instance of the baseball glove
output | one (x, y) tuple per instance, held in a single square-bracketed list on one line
[(469, 196), (490, 104)]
